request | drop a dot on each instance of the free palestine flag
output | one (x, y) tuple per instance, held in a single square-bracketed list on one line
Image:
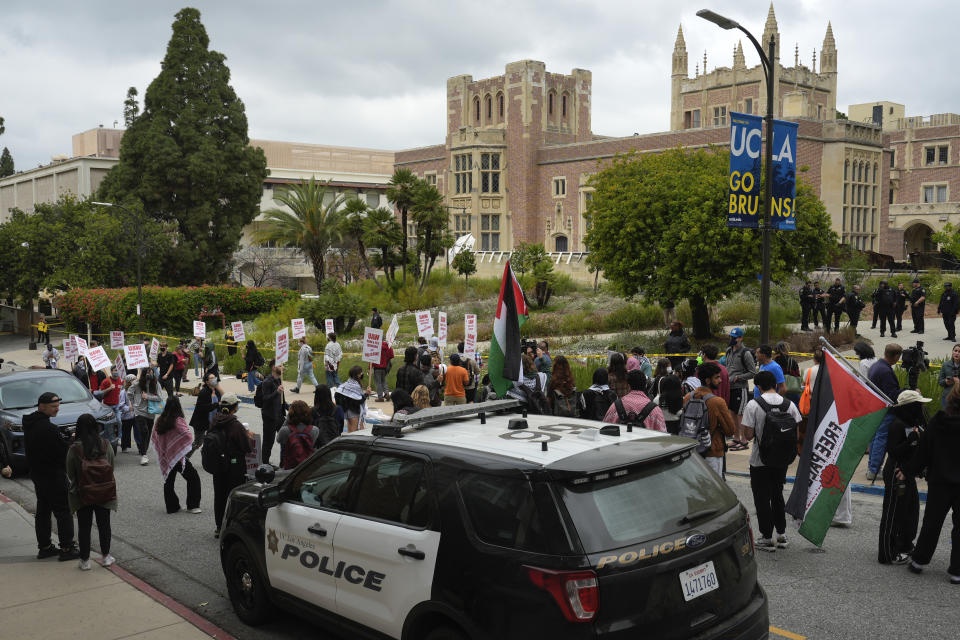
[(844, 415), (504, 362)]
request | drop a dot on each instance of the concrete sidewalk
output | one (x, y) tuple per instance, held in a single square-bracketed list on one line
[(42, 599)]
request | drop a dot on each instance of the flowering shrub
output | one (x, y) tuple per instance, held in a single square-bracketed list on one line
[(173, 308)]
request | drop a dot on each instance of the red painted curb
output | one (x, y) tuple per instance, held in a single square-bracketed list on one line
[(187, 614)]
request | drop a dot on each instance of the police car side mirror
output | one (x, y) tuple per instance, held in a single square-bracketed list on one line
[(269, 497)]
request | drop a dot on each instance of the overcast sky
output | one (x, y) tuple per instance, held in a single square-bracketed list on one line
[(372, 73)]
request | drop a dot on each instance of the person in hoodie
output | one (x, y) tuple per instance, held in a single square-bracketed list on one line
[(598, 397), (938, 452), (409, 375), (46, 449), (237, 447)]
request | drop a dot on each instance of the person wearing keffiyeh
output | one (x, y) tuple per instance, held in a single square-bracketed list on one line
[(173, 440), (351, 396)]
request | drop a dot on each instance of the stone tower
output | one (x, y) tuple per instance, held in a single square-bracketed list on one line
[(678, 75)]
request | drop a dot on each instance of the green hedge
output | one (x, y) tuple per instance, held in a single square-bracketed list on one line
[(170, 308)]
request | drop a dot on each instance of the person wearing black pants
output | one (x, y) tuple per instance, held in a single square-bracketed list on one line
[(918, 298), (902, 297), (938, 452), (237, 446), (948, 307), (835, 296), (170, 499), (766, 484), (272, 411), (901, 503), (46, 451)]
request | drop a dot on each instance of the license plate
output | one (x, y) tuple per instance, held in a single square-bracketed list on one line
[(698, 581)]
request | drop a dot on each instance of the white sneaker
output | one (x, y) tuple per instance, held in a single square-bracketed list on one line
[(766, 544), (107, 560), (144, 460), (195, 510), (85, 565), (782, 541)]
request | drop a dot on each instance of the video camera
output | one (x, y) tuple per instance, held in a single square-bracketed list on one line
[(528, 344), (914, 360)]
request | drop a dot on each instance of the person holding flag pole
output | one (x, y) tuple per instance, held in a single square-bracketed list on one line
[(504, 361), (845, 412)]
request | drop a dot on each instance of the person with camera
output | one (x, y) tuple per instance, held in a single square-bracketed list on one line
[(883, 377), (901, 502), (918, 299), (948, 307)]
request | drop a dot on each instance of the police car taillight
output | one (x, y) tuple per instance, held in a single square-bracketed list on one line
[(576, 592)]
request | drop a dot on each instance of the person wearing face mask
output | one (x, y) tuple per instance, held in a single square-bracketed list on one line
[(207, 401), (667, 394), (741, 368)]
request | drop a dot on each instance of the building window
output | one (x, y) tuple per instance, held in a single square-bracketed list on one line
[(476, 111), (941, 193), (563, 106), (928, 194), (846, 169), (559, 187), (719, 116), (561, 244), (860, 172), (893, 159), (891, 196), (373, 199), (489, 173), (550, 103), (843, 221), (500, 105), (462, 223), (874, 173), (463, 173), (489, 108), (748, 105), (936, 155), (431, 178), (691, 119), (819, 112), (489, 232)]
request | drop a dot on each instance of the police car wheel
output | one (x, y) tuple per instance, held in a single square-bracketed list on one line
[(246, 586), (445, 633)]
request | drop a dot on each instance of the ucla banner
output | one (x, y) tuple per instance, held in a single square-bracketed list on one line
[(745, 152), (784, 163)]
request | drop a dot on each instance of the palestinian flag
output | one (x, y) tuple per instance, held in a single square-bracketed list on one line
[(504, 362), (845, 412)]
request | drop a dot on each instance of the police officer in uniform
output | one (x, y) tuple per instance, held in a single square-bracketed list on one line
[(875, 299), (918, 297), (948, 307), (902, 296), (835, 295), (884, 308), (819, 310), (807, 304), (853, 305)]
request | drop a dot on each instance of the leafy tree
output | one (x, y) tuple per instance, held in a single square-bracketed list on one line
[(187, 157), (432, 221), (841, 115), (2, 128), (314, 223), (355, 227), (948, 238), (658, 227), (6, 164), (544, 278), (131, 109), (383, 232), (400, 191), (337, 302), (466, 265)]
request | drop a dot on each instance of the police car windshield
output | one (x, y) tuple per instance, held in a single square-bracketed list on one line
[(646, 502)]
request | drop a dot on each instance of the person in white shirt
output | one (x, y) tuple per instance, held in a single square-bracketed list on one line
[(305, 364), (332, 355), (50, 357), (767, 482)]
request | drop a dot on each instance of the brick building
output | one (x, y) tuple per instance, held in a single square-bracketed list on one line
[(519, 149)]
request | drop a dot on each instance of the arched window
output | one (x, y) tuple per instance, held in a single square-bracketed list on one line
[(860, 172), (500, 106), (561, 244), (874, 172), (563, 106), (476, 110), (550, 103), (489, 102), (846, 169)]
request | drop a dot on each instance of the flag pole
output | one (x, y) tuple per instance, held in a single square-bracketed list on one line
[(846, 363)]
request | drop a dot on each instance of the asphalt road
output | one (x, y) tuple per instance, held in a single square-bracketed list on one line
[(839, 592)]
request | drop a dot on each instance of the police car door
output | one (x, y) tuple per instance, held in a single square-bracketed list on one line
[(300, 530), (386, 547)]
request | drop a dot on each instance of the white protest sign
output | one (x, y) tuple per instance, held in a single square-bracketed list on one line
[(328, 325), (70, 348), (199, 329), (282, 345), (116, 339), (470, 334), (154, 349), (238, 333), (299, 328), (442, 328), (424, 324), (392, 330), (136, 356), (253, 458), (81, 345), (98, 359), (121, 370), (372, 339)]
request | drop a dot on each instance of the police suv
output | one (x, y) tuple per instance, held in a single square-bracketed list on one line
[(461, 522)]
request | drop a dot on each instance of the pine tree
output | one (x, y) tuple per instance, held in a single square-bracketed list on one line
[(6, 163), (131, 109), (186, 157)]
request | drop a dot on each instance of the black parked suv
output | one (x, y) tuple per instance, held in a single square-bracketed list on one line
[(458, 525)]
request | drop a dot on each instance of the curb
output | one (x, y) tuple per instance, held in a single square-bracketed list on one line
[(870, 489)]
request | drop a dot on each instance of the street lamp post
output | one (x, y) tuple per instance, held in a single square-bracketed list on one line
[(767, 59), (139, 236)]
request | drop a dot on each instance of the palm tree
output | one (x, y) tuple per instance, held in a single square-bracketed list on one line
[(400, 191), (356, 212), (384, 233), (312, 224), (431, 218)]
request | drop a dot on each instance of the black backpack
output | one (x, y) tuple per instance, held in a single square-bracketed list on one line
[(258, 395), (633, 419), (535, 400), (695, 423), (328, 428), (213, 454), (595, 404), (778, 441), (566, 406)]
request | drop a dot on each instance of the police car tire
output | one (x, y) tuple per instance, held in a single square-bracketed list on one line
[(247, 587), (445, 633)]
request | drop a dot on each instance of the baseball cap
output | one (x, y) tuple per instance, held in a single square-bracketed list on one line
[(948, 284), (229, 399), (736, 333), (908, 396), (916, 281)]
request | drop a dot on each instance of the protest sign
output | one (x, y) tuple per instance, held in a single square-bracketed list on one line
[(70, 348), (81, 345), (253, 458), (372, 339), (282, 345), (470, 334), (154, 349), (392, 330), (328, 325), (121, 370), (424, 324), (98, 358), (116, 339), (442, 328), (238, 333), (199, 329), (136, 356), (299, 328)]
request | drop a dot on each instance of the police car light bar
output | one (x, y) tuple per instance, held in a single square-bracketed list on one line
[(434, 415)]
